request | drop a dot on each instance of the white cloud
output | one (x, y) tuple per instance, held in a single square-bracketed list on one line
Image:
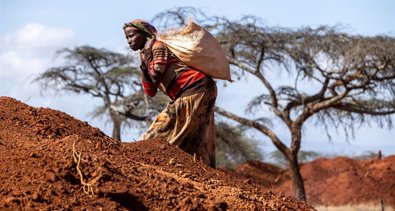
[(35, 35), (26, 52), (30, 49), (10, 59)]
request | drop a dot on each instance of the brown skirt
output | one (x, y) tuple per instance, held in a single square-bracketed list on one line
[(188, 122)]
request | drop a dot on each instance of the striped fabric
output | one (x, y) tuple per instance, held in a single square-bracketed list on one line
[(166, 72)]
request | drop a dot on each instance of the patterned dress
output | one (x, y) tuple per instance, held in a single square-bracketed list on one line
[(188, 121)]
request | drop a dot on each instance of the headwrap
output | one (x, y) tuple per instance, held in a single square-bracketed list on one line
[(142, 25)]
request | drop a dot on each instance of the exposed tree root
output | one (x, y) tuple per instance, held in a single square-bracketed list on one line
[(87, 186)]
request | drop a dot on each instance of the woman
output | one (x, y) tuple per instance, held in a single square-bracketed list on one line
[(188, 121)]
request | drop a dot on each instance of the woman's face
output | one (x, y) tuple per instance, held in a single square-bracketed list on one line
[(136, 38)]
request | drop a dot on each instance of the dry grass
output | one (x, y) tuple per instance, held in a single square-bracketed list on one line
[(358, 207)]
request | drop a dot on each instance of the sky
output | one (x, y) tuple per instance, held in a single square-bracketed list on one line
[(31, 31)]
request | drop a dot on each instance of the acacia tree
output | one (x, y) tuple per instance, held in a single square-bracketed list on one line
[(342, 80), (102, 74), (336, 79)]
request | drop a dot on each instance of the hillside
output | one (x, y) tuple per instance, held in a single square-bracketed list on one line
[(330, 181), (47, 156)]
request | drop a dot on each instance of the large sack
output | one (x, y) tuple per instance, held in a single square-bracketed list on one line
[(199, 49)]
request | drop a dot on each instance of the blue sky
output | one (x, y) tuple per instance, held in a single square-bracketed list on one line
[(31, 31)]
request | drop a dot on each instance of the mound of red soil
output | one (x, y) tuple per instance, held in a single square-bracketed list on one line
[(348, 181), (257, 172), (52, 161), (336, 181)]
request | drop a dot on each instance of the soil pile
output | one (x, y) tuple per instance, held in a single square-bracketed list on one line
[(336, 181), (257, 172), (51, 161)]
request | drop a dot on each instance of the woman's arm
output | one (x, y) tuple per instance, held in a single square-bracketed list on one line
[(149, 87), (157, 59), (159, 62)]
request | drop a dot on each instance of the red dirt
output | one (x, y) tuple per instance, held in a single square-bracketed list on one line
[(38, 171), (336, 181)]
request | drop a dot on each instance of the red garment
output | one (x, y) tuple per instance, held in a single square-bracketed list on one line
[(166, 72), (186, 79)]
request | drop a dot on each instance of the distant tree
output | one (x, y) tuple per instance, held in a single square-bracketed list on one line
[(303, 157), (369, 155), (335, 79), (102, 74), (234, 147), (178, 16)]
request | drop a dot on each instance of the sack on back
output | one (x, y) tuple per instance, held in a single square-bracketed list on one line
[(197, 48)]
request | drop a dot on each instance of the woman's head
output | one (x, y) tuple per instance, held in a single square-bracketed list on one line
[(137, 33)]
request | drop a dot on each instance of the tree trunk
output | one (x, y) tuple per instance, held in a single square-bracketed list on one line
[(297, 180), (116, 121), (116, 132)]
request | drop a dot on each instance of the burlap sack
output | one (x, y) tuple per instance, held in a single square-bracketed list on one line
[(199, 49)]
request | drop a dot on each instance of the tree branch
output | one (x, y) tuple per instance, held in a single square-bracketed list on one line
[(261, 77), (354, 109), (319, 96), (265, 130), (315, 107)]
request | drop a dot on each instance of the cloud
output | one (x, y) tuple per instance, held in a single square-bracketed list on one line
[(26, 52), (30, 49), (35, 35)]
